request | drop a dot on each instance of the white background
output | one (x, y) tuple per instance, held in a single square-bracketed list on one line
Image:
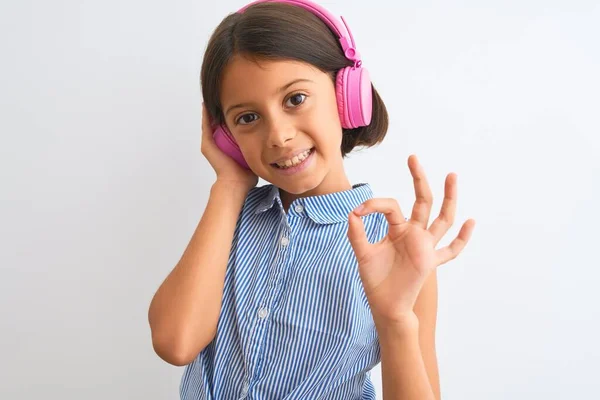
[(102, 183)]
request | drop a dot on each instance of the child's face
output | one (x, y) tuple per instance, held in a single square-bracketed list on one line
[(272, 124)]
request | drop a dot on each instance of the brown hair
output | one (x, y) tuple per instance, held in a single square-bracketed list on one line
[(273, 31)]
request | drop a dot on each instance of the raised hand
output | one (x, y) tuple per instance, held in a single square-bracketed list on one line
[(394, 269), (226, 168)]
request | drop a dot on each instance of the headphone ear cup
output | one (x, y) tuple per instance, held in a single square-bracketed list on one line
[(224, 141), (340, 95), (354, 97), (359, 96)]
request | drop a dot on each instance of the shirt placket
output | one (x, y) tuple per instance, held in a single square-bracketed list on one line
[(264, 308)]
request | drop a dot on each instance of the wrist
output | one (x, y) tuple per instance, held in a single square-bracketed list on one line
[(404, 325), (231, 187), (225, 193)]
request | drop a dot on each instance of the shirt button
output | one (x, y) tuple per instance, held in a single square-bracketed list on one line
[(299, 208), (263, 312), (245, 388), (285, 241)]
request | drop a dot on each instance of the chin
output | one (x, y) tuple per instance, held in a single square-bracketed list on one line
[(296, 186), (298, 189)]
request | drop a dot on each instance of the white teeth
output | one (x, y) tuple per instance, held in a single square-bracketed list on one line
[(294, 161)]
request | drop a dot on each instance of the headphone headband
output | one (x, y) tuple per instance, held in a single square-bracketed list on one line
[(340, 29)]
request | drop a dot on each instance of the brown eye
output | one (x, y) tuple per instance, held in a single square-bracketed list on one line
[(244, 120), (296, 99)]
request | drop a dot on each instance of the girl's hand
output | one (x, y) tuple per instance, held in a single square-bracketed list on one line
[(226, 168), (394, 269)]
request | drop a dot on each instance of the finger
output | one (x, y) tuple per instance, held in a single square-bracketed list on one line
[(208, 144), (388, 207), (423, 197), (357, 236), (450, 252), (444, 221), (206, 125)]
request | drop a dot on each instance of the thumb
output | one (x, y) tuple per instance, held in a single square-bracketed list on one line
[(357, 235)]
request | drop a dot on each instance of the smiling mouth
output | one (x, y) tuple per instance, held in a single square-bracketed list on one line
[(294, 162)]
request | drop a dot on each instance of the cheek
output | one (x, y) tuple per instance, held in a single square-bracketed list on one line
[(251, 152), (325, 118), (328, 136), (252, 149), (246, 146)]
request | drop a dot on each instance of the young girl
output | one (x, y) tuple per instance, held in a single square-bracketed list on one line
[(297, 289)]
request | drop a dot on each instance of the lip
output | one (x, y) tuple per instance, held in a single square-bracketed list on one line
[(298, 168), (290, 155)]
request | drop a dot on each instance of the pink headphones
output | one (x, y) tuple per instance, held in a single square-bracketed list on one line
[(353, 84)]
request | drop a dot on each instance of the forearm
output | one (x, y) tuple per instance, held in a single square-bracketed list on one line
[(403, 370), (184, 312)]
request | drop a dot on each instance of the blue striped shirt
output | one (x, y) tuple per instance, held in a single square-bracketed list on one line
[(295, 322)]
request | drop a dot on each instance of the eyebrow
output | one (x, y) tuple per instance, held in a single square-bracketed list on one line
[(281, 89)]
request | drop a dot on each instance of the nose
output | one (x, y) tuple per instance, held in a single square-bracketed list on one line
[(280, 131)]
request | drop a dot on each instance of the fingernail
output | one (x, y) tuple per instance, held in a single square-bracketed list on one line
[(358, 209)]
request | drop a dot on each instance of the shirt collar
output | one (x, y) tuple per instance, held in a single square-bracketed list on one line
[(328, 208)]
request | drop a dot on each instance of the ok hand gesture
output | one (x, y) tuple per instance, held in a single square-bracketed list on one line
[(394, 269)]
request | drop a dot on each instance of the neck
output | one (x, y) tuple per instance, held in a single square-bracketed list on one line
[(335, 181)]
